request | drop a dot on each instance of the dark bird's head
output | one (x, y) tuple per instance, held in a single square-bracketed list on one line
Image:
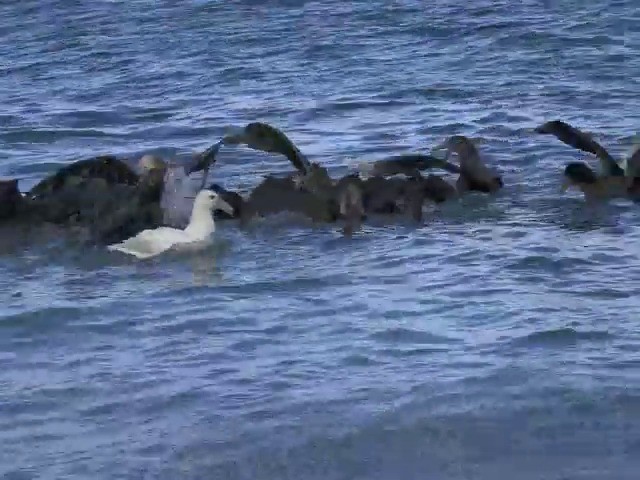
[(578, 173), (551, 127), (459, 144)]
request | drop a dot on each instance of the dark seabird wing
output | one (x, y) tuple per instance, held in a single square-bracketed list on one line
[(204, 160), (267, 138), (582, 141), (107, 167), (409, 165)]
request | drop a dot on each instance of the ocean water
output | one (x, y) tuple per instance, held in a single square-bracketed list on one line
[(497, 340)]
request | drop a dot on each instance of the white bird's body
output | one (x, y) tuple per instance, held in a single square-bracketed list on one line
[(197, 234)]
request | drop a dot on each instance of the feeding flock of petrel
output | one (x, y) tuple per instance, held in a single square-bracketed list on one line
[(121, 209)]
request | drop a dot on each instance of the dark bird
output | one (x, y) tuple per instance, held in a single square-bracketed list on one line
[(614, 180), (475, 175)]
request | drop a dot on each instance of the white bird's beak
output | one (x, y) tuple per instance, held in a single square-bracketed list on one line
[(224, 206), (565, 185)]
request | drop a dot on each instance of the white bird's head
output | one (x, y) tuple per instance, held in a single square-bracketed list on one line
[(210, 200)]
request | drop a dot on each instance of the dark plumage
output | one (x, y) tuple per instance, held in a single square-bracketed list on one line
[(408, 164), (438, 189), (275, 195), (267, 138), (203, 162), (311, 191), (124, 211), (593, 187), (582, 141), (579, 172), (10, 199), (103, 195), (474, 173), (107, 167)]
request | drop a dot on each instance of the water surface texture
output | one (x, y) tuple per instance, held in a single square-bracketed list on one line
[(498, 340)]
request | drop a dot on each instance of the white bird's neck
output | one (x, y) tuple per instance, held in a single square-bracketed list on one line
[(201, 224)]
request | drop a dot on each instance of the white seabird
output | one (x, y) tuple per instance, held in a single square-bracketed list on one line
[(197, 234)]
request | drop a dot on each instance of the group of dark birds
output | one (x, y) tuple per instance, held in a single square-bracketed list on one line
[(113, 201)]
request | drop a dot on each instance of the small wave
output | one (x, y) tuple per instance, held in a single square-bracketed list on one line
[(42, 320), (561, 337), (358, 361), (49, 136), (409, 352), (545, 263), (408, 336), (251, 345)]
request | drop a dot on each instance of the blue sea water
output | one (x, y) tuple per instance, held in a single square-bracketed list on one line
[(498, 340)]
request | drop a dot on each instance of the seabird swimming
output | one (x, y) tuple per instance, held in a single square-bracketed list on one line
[(107, 167), (102, 194), (311, 191), (614, 181), (475, 175), (582, 141), (62, 195), (274, 194), (151, 242), (318, 195)]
